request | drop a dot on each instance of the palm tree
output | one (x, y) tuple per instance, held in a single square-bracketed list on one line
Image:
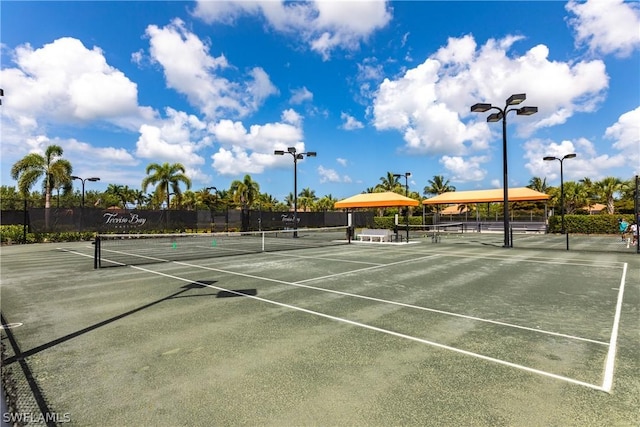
[(167, 177), (34, 166), (245, 192), (538, 184), (607, 188), (326, 203), (123, 193), (188, 200), (139, 198), (267, 202), (289, 201), (390, 183), (307, 198), (438, 185)]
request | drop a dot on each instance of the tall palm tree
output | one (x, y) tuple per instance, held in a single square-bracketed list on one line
[(390, 183), (187, 200), (55, 170), (167, 177), (538, 184), (607, 188), (267, 202), (289, 201), (245, 192), (438, 185), (123, 193), (307, 198), (326, 203)]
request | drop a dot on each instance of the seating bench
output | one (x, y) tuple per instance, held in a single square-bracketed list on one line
[(373, 234)]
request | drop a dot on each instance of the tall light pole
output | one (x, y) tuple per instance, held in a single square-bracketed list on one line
[(561, 160), (83, 180), (296, 156), (211, 211), (406, 193), (502, 115)]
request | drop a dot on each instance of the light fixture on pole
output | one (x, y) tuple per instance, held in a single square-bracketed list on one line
[(561, 160), (296, 156), (502, 115), (92, 179), (406, 193)]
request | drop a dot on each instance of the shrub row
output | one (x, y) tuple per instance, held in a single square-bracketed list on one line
[(14, 234), (588, 224), (578, 224)]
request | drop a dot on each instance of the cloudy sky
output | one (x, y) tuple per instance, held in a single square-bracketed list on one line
[(372, 86)]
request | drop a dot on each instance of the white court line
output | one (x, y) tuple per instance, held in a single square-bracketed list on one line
[(607, 384), (611, 355), (300, 284), (385, 331)]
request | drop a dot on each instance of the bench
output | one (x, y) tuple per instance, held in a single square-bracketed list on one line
[(371, 235)]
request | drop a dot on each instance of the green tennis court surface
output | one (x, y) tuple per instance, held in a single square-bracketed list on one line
[(358, 335)]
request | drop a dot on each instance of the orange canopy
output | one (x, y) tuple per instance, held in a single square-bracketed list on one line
[(376, 200), (485, 196)]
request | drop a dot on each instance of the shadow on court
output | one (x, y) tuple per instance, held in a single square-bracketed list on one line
[(20, 355)]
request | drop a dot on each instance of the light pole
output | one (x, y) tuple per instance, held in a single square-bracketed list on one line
[(83, 180), (561, 160), (406, 193), (502, 115), (211, 211), (296, 156)]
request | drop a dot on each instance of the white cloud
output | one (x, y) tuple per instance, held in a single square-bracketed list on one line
[(251, 150), (191, 70), (300, 95), (323, 25), (177, 139), (626, 131), (237, 161), (341, 161), (428, 103), (465, 170), (65, 82), (330, 175), (350, 122), (626, 136), (586, 163), (606, 26)]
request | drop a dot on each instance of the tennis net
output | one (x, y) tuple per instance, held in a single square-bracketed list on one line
[(433, 231), (136, 249)]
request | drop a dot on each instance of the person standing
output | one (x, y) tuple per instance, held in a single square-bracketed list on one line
[(622, 227), (633, 229)]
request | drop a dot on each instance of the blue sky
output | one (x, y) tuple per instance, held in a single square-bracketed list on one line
[(373, 87)]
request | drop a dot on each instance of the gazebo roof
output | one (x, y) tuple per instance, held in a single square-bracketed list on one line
[(520, 194), (376, 200)]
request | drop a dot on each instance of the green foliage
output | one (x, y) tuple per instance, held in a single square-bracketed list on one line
[(588, 224), (388, 222), (10, 234)]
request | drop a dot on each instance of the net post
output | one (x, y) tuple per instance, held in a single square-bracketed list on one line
[(262, 236), (96, 253), (567, 237)]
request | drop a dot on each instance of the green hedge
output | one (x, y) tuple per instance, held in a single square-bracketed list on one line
[(14, 234), (388, 222), (578, 224), (588, 224)]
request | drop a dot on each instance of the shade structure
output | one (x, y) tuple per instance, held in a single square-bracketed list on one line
[(376, 200), (521, 194)]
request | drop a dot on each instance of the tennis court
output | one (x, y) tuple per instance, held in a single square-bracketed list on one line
[(353, 334)]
